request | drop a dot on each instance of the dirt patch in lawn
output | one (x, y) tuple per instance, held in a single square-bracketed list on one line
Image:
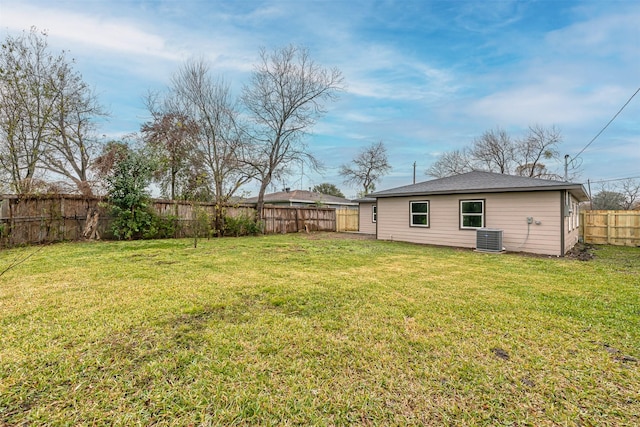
[(582, 252)]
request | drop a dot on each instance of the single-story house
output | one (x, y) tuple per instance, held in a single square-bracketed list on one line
[(526, 214), (305, 198)]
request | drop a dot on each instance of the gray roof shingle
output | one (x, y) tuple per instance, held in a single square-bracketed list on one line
[(482, 182)]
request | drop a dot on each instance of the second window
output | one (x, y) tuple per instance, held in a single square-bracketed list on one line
[(419, 213)]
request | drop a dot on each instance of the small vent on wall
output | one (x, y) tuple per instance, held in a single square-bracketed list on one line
[(489, 240)]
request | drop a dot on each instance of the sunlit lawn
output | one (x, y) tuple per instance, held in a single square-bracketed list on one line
[(316, 330)]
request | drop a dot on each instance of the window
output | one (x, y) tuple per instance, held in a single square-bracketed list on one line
[(471, 213), (419, 213), (374, 213)]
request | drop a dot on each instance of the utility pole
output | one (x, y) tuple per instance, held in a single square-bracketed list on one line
[(566, 167), (414, 172)]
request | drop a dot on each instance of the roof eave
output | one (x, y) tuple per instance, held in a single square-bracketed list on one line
[(576, 190)]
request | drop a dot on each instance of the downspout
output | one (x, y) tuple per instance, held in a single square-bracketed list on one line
[(562, 200)]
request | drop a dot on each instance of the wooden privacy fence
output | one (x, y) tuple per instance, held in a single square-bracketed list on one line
[(51, 218), (46, 218), (621, 228), (291, 219), (347, 220)]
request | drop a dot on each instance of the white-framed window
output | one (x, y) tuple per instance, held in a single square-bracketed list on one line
[(472, 214), (572, 216), (419, 212), (374, 213)]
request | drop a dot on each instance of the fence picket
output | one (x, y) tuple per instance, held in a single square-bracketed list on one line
[(620, 228)]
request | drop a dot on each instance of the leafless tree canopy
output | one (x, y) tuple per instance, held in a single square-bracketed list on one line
[(47, 115), (538, 145), (216, 143), (630, 189), (451, 163), (496, 151), (370, 164), (285, 97)]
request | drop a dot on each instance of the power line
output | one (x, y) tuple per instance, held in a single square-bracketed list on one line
[(614, 179), (607, 125)]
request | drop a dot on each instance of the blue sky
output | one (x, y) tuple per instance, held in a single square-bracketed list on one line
[(424, 77)]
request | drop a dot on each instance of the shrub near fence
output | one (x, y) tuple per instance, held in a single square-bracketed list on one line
[(51, 218), (621, 228)]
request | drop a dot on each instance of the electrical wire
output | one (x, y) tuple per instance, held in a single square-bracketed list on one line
[(614, 179), (607, 125)]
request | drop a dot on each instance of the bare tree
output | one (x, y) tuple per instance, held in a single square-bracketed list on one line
[(494, 150), (370, 164), (27, 105), (47, 114), (630, 190), (220, 142), (539, 144), (73, 142), (451, 163), (285, 97)]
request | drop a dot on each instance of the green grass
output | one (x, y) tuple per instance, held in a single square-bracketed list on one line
[(313, 330)]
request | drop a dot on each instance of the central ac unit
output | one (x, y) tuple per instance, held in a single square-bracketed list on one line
[(489, 240)]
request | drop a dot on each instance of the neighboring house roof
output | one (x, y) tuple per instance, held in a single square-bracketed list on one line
[(365, 200), (302, 196), (482, 182)]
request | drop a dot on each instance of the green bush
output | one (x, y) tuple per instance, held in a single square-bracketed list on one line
[(165, 227), (127, 181), (133, 224), (242, 225)]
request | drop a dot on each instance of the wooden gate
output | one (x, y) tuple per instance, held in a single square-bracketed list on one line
[(347, 220)]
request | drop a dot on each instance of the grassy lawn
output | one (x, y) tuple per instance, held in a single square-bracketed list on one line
[(314, 330)]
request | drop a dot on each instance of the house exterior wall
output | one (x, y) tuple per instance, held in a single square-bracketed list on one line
[(505, 211), (365, 219), (571, 221)]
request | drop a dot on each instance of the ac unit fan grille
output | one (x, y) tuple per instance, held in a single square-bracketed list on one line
[(489, 240)]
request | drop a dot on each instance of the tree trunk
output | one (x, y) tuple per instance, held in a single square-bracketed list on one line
[(260, 203), (91, 225)]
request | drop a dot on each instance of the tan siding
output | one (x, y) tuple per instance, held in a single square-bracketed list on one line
[(572, 225), (506, 211), (366, 224)]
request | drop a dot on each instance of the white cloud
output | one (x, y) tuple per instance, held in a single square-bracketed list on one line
[(603, 36), (546, 103), (117, 36), (577, 77), (380, 72)]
